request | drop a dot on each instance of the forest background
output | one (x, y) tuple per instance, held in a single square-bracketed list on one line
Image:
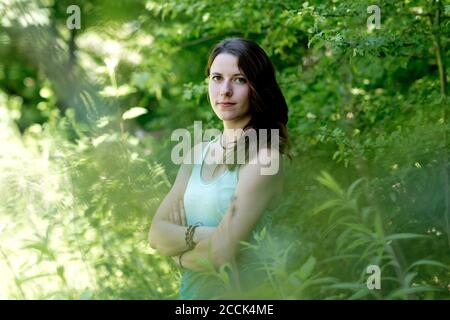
[(90, 92)]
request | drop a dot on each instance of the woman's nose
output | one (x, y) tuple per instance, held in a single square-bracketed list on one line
[(226, 90)]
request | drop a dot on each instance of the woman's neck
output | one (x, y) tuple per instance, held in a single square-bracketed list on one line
[(234, 129)]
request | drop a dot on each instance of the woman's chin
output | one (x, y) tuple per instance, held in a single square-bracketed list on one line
[(227, 117)]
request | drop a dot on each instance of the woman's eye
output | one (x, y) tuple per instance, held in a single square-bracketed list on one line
[(240, 80), (215, 78)]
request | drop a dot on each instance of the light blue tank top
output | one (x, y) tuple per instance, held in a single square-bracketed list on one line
[(207, 202)]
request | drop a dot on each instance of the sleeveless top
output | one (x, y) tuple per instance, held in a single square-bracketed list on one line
[(207, 202)]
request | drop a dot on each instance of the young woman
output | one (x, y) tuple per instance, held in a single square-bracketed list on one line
[(213, 205)]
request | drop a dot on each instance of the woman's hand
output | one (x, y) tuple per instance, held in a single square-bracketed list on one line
[(176, 259), (178, 214)]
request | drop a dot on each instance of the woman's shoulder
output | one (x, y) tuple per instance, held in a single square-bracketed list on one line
[(269, 161), (264, 170)]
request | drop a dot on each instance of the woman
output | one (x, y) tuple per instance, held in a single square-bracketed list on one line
[(213, 205)]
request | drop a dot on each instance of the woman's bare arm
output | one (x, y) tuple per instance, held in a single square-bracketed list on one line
[(253, 195), (168, 237)]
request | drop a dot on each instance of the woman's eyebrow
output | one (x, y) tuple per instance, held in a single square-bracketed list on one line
[(217, 73)]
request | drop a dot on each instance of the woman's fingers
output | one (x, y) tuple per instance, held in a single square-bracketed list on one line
[(178, 214), (171, 219), (182, 214), (169, 216), (175, 215)]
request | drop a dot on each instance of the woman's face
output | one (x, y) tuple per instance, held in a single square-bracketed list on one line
[(228, 89)]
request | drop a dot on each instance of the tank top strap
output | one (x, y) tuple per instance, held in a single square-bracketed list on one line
[(205, 150), (232, 176), (200, 152)]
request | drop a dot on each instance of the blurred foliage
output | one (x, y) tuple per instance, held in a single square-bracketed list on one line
[(86, 117)]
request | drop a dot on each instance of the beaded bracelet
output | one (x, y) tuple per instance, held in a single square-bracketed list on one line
[(189, 235)]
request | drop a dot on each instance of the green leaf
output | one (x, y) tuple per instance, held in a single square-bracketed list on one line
[(327, 180), (428, 263), (134, 113), (378, 226), (348, 285), (359, 227), (36, 276), (353, 186), (307, 268), (357, 243), (409, 278), (401, 236), (401, 293), (327, 205), (123, 90), (360, 294)]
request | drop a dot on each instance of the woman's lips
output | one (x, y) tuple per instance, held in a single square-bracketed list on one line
[(226, 104)]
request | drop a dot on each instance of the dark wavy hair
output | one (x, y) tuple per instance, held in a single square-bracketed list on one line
[(267, 104)]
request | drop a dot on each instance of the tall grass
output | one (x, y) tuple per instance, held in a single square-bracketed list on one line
[(75, 215)]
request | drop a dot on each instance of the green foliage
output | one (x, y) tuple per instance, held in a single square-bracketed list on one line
[(85, 123)]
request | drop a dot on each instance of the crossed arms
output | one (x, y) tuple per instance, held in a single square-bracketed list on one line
[(218, 244)]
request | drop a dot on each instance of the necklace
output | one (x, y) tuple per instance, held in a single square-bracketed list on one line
[(221, 143)]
